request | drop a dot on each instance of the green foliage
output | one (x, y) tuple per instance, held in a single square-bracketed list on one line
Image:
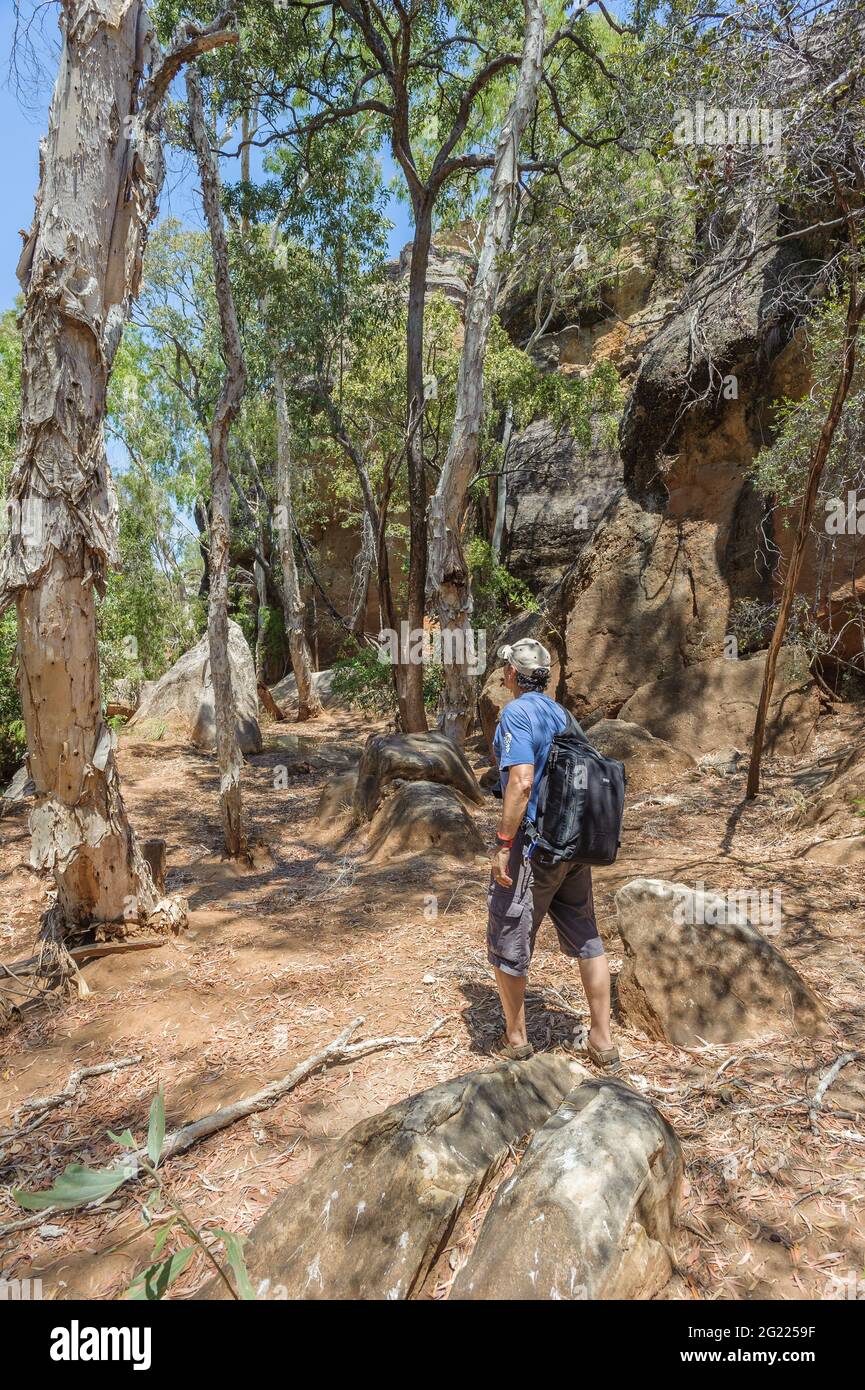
[(79, 1186), (779, 471), (752, 623), (366, 683), (146, 619), (13, 739), (495, 590)]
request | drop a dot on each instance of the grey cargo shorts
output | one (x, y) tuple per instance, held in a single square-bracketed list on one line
[(562, 890)]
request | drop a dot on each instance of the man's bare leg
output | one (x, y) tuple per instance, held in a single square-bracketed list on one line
[(595, 975), (512, 992)]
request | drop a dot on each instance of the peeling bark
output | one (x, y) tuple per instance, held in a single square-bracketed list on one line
[(308, 703), (101, 171), (448, 583), (227, 407)]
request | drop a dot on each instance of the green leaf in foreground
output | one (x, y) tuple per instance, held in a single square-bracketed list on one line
[(154, 1281), (234, 1255), (126, 1140), (76, 1187), (156, 1129)]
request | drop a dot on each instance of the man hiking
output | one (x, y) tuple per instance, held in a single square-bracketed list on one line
[(521, 892)]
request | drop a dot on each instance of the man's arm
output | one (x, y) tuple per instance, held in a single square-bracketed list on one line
[(521, 777)]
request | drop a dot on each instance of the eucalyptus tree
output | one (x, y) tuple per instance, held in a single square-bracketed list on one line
[(101, 175), (227, 408), (430, 81)]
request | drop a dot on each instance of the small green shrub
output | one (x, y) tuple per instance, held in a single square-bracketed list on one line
[(496, 592), (366, 683)]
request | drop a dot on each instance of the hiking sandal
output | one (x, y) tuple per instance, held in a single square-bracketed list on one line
[(606, 1059), (502, 1048)]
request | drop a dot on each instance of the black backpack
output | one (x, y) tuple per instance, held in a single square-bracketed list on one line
[(581, 803)]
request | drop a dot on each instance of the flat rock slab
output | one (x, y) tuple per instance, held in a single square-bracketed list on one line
[(648, 760), (589, 1212), (337, 798), (370, 1220), (423, 816), (698, 970), (431, 757)]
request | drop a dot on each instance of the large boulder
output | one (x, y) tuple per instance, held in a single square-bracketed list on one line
[(423, 816), (646, 598), (337, 797), (714, 704), (848, 851), (431, 757), (182, 699), (285, 691), (370, 1219), (590, 1210), (648, 761), (19, 791), (697, 970)]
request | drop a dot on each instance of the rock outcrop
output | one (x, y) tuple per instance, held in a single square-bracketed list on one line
[(557, 490), (19, 792), (285, 691), (589, 1211), (370, 1220), (182, 699), (431, 757), (709, 706), (336, 801), (648, 761), (840, 802), (698, 970), (423, 816)]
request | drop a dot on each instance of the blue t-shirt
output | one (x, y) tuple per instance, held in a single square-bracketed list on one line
[(526, 728)]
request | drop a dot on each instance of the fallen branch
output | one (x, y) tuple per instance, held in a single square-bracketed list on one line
[(338, 1051), (826, 1080), (80, 954), (43, 1104)]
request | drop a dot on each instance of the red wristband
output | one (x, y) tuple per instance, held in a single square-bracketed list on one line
[(504, 840)]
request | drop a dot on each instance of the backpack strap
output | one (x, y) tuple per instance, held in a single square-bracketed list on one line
[(573, 727)]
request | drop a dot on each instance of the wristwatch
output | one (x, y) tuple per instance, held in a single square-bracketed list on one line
[(504, 841)]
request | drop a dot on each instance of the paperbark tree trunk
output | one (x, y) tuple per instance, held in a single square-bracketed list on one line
[(227, 407), (101, 172), (410, 674), (448, 581), (308, 703)]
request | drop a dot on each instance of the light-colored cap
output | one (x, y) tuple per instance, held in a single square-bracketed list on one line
[(526, 656)]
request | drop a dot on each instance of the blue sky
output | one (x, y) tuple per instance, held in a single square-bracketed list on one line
[(23, 120)]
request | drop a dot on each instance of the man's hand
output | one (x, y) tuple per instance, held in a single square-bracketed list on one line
[(499, 860)]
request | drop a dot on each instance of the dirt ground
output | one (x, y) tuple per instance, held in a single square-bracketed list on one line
[(278, 959)]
